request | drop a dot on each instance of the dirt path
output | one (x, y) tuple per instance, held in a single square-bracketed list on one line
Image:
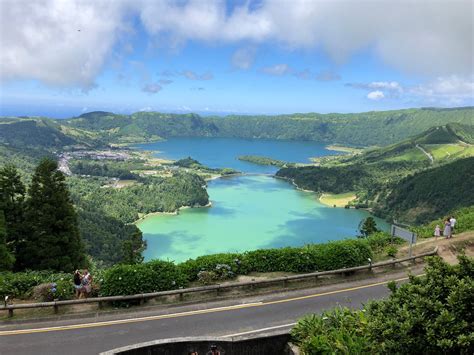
[(447, 248)]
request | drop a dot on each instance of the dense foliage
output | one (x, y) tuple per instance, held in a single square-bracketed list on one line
[(52, 239), (429, 315), (156, 194), (148, 277), (21, 284), (431, 193), (102, 169)]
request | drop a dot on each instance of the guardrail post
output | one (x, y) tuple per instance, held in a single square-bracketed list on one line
[(181, 296), (217, 291), (56, 308), (101, 304), (285, 283), (10, 312)]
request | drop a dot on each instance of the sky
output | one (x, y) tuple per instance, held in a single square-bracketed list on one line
[(62, 58)]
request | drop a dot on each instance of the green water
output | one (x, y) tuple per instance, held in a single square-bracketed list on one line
[(248, 212)]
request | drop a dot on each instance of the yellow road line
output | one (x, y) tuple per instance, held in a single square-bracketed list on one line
[(189, 313)]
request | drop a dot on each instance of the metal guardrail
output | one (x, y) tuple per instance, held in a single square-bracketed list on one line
[(181, 292)]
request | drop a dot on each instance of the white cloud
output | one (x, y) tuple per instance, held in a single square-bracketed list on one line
[(152, 88), (60, 43), (450, 90), (40, 38), (323, 75), (446, 90), (189, 74), (375, 95), (277, 69), (243, 58), (165, 81)]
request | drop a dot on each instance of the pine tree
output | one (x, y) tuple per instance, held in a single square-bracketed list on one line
[(367, 227), (133, 247), (6, 258), (53, 241), (12, 203)]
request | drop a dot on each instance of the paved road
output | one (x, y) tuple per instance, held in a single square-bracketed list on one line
[(220, 318)]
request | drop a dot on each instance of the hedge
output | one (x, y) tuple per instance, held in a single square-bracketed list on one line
[(313, 257), (161, 275), (148, 277)]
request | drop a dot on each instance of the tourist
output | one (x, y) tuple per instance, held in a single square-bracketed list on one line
[(437, 231), (77, 283), (453, 221), (86, 283), (447, 229)]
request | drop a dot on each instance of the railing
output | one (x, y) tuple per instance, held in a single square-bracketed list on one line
[(217, 288)]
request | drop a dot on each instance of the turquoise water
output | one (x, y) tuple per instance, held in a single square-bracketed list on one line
[(223, 152), (248, 212)]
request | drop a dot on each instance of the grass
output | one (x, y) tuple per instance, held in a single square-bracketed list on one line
[(449, 151), (338, 200)]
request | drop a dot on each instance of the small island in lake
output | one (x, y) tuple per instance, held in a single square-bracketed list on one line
[(257, 159)]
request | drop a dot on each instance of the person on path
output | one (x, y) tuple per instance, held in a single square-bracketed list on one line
[(447, 229), (453, 221), (77, 283), (86, 283), (437, 231)]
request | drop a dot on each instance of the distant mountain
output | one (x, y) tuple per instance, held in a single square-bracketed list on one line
[(358, 129)]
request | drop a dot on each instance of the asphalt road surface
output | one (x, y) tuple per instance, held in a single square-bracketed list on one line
[(218, 318)]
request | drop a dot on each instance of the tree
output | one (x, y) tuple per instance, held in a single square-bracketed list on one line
[(12, 203), (6, 258), (367, 227), (53, 240), (133, 247)]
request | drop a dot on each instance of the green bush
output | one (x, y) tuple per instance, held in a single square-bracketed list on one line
[(378, 241), (153, 276), (391, 251), (20, 284), (339, 331), (192, 267), (61, 290)]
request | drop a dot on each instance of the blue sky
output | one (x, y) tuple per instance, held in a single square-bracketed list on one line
[(61, 59)]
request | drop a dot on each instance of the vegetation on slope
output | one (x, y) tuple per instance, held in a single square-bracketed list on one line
[(256, 159), (430, 193)]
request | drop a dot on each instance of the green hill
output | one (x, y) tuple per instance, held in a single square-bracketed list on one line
[(431, 193), (359, 129)]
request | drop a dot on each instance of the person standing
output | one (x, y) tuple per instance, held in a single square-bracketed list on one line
[(77, 283), (453, 221), (447, 229), (437, 231), (86, 283)]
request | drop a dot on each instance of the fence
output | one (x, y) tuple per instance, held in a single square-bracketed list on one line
[(217, 288)]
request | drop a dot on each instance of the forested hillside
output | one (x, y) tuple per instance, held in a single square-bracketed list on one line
[(395, 180), (431, 193), (361, 129)]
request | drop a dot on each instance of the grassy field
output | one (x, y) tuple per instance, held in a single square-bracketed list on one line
[(448, 151), (338, 200)]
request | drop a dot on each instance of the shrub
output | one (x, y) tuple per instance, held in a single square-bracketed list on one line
[(391, 251), (192, 267), (153, 276), (61, 290), (339, 331), (378, 241), (20, 284)]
